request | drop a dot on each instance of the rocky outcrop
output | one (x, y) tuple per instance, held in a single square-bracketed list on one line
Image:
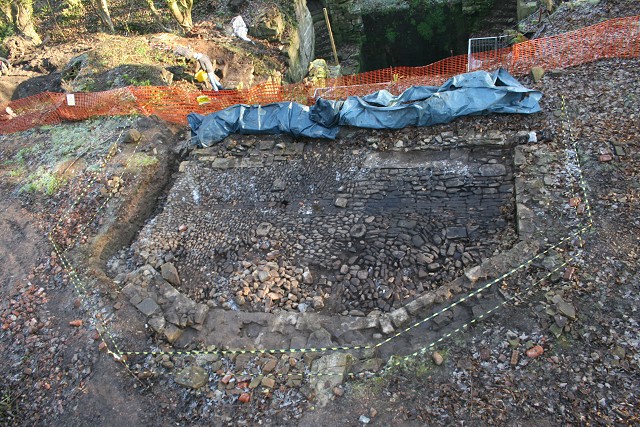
[(270, 25), (301, 44)]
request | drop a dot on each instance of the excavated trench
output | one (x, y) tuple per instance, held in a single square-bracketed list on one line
[(259, 225)]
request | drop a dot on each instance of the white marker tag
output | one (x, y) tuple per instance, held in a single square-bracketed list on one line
[(71, 100)]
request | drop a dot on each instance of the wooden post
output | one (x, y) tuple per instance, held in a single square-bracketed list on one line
[(333, 43)]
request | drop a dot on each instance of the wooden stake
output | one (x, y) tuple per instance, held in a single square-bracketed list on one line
[(333, 43)]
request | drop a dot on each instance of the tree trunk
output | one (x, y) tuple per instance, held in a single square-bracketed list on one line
[(103, 12), (187, 5), (156, 14), (22, 18), (181, 11)]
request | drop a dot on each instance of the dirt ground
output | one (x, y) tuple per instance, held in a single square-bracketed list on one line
[(59, 231), (55, 374)]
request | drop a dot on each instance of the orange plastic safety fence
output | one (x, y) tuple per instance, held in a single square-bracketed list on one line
[(617, 38)]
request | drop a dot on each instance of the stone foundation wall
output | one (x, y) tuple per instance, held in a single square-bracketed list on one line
[(271, 223)]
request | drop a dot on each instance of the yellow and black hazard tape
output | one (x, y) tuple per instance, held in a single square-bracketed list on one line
[(398, 361), (574, 145), (110, 153), (365, 346), (244, 351), (102, 329)]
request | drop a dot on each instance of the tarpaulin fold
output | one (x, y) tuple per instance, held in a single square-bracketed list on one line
[(279, 117), (473, 93)]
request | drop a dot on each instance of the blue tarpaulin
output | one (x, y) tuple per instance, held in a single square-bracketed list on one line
[(280, 117), (473, 93)]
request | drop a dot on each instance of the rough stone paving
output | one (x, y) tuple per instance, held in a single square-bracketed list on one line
[(318, 226)]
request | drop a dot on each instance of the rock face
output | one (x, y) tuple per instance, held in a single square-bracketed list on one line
[(346, 20), (270, 25), (301, 45), (526, 8), (79, 74)]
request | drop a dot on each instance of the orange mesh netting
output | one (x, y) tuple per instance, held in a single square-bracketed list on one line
[(617, 38)]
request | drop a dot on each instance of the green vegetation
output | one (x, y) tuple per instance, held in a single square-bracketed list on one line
[(425, 32), (134, 81), (21, 156), (19, 15), (6, 30), (391, 35), (74, 10), (35, 165), (42, 181), (17, 173), (141, 160), (434, 23), (123, 50), (369, 387), (6, 408)]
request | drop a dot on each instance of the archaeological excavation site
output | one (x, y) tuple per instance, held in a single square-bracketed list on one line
[(275, 213), (271, 225)]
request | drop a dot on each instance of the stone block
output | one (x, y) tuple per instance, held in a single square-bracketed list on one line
[(399, 317), (456, 232), (475, 273), (200, 314), (131, 290), (426, 300), (268, 382), (367, 322), (536, 74), (172, 332), (496, 169), (221, 163), (333, 368), (157, 323), (414, 306), (341, 202), (170, 273), (148, 307), (385, 325), (319, 339), (193, 377)]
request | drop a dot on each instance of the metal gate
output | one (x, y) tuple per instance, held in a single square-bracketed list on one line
[(484, 49)]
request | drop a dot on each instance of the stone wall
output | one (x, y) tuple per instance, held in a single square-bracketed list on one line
[(346, 20), (272, 223), (526, 8)]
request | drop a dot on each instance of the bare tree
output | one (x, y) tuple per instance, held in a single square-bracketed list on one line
[(157, 15), (181, 11), (20, 14), (103, 12)]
